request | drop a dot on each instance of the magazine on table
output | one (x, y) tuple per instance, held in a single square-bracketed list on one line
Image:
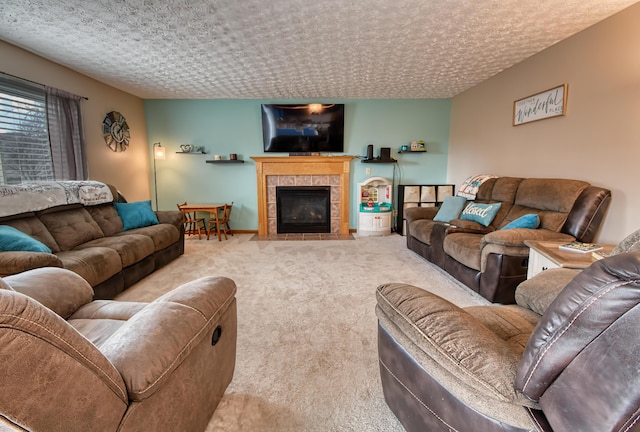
[(580, 247)]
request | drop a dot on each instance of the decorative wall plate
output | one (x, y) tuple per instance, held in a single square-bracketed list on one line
[(116, 131)]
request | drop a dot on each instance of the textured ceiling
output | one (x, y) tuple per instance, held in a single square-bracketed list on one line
[(283, 49)]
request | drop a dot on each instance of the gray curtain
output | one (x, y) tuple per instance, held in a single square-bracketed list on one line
[(66, 135)]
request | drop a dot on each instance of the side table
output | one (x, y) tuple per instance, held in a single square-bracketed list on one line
[(544, 255)]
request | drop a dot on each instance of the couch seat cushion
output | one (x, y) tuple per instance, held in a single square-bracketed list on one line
[(421, 229), (132, 248), (162, 235), (95, 265), (36, 229), (98, 320), (464, 248), (71, 228), (511, 323)]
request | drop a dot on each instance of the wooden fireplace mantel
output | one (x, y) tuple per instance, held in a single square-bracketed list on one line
[(302, 165)]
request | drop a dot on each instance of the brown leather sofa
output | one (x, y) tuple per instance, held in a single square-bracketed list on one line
[(564, 358), (91, 241), (73, 364), (492, 261)]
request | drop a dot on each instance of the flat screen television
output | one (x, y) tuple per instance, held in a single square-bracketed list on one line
[(303, 128)]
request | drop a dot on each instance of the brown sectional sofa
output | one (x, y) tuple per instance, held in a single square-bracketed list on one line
[(90, 241), (73, 364), (491, 261)]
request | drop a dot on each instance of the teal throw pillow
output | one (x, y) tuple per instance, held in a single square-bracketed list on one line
[(450, 208), (12, 239), (481, 213), (531, 221), (136, 214)]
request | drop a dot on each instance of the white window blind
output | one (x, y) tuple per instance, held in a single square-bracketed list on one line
[(25, 153)]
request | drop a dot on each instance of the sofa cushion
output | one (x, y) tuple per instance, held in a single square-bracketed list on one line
[(95, 264), (162, 235), (482, 213), (551, 199), (421, 229), (71, 228), (132, 248), (450, 208), (32, 226), (12, 239), (107, 218), (64, 297), (464, 248), (136, 214)]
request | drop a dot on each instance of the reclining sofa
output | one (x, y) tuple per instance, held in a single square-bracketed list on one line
[(564, 358), (73, 364), (89, 238), (492, 261)]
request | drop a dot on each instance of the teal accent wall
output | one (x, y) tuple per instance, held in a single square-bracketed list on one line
[(235, 126)]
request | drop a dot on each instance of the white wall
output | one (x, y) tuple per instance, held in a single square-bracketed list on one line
[(128, 170), (597, 141)]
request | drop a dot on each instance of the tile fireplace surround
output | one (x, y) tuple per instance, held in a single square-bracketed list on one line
[(303, 171)]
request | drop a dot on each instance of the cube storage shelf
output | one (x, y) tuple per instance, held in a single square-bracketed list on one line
[(430, 195)]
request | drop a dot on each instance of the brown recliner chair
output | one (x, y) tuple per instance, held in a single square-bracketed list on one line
[(73, 364), (564, 358)]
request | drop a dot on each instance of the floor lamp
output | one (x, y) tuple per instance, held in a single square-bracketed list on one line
[(159, 152)]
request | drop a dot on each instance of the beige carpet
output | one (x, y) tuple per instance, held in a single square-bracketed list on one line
[(307, 350)]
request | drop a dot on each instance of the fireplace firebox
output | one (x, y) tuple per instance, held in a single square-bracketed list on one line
[(303, 209)]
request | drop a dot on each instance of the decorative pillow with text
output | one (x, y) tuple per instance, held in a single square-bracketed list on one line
[(481, 213)]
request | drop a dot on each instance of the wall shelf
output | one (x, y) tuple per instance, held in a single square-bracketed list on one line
[(223, 161), (413, 151), (191, 152), (378, 161)]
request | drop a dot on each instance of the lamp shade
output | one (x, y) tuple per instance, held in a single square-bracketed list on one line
[(159, 152)]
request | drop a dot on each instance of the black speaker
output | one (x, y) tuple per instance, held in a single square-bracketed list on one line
[(370, 152), (385, 153)]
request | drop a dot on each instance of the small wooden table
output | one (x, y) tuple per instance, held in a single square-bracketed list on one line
[(544, 255), (212, 209)]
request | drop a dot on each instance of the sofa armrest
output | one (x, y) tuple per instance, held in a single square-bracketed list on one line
[(173, 217), (17, 262), (154, 342), (415, 213), (538, 292), (61, 290)]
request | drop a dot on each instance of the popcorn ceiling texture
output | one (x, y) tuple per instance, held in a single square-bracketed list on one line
[(249, 49)]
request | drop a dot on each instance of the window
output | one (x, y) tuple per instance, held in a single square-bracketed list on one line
[(25, 153)]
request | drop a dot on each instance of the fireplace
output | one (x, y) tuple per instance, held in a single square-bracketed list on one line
[(273, 171), (303, 209)]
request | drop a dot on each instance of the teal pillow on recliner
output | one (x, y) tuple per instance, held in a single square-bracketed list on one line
[(527, 221), (450, 208), (136, 214), (12, 239)]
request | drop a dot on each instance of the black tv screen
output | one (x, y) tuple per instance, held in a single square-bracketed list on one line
[(303, 128)]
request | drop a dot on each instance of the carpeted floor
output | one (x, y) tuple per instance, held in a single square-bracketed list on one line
[(307, 352)]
